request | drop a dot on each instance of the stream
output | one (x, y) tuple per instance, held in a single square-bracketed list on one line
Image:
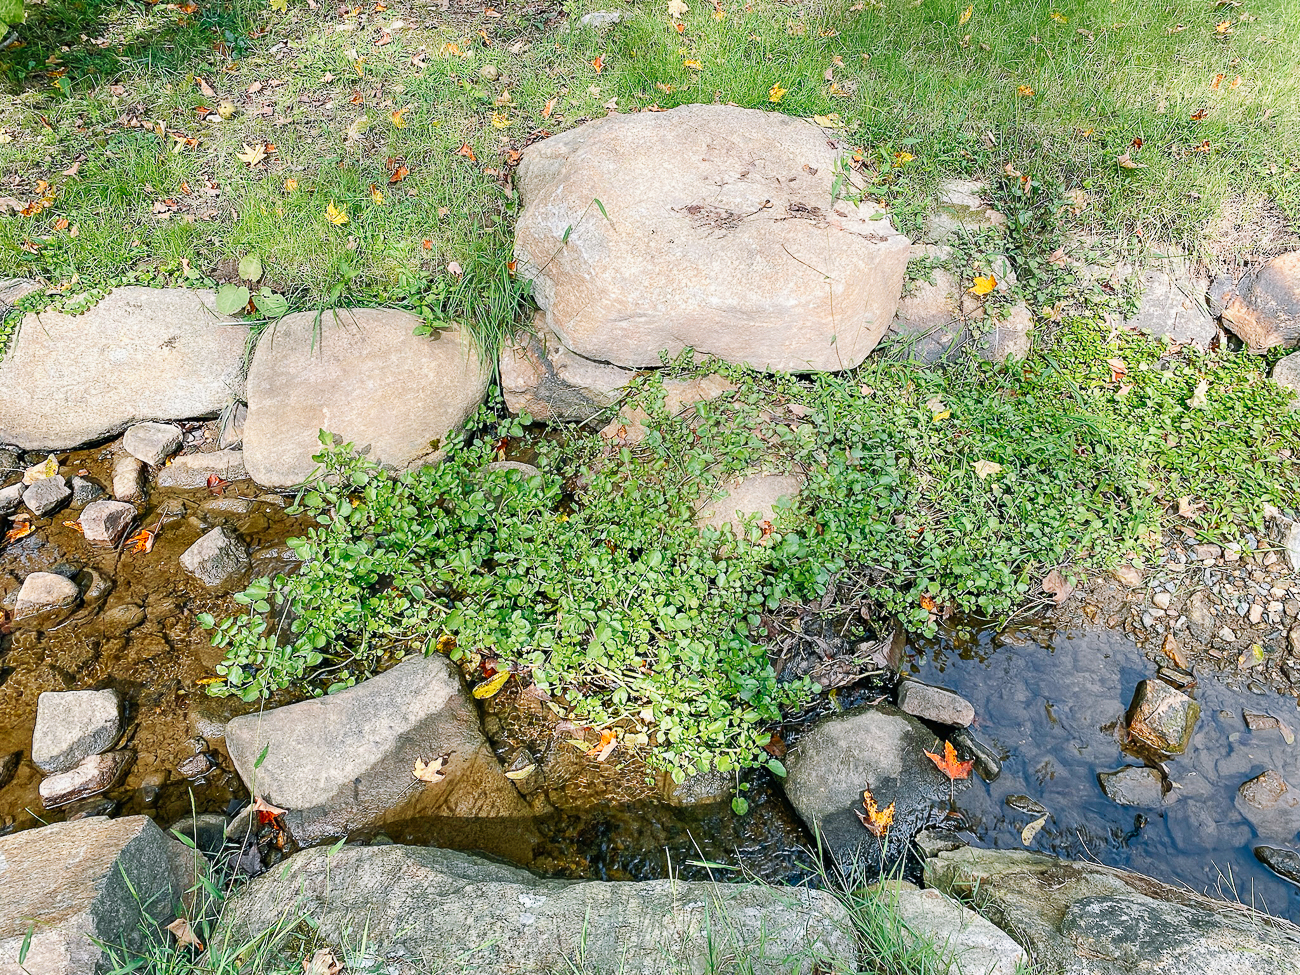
[(1050, 701)]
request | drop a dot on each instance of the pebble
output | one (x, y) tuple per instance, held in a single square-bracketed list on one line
[(128, 478), (196, 766), (95, 775), (9, 767), (47, 495), (84, 492), (152, 442), (73, 725), (1226, 635), (1284, 863), (103, 523), (1162, 600), (1264, 791), (1256, 614)]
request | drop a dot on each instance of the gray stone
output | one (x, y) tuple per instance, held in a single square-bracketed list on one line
[(43, 592), (46, 496), (601, 18), (757, 496), (1086, 919), (1222, 288), (105, 522), (422, 909), (718, 233), (84, 492), (75, 886), (72, 726), (193, 470), (988, 762), (364, 376), (840, 756), (93, 776), (10, 498), (542, 378), (1284, 863), (152, 442), (935, 704), (929, 322), (217, 558), (1133, 786), (128, 479), (961, 206), (11, 465), (9, 767), (1173, 304), (1267, 312), (1286, 373), (1007, 337), (377, 730), (1265, 790), (703, 789), (1161, 717), (967, 943), (232, 426), (139, 354), (207, 830)]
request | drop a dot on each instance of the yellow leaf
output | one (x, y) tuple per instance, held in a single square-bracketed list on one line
[(776, 93), (1060, 18), (279, 6), (900, 158), (1029, 832), (983, 468), (692, 63), (965, 15), (938, 408), (46, 468), (359, 66), (1024, 91), (290, 185), (1199, 399), (984, 285), (334, 215), (376, 195), (832, 121), (491, 687), (252, 154), (521, 773), (677, 8), (399, 118), (499, 121)]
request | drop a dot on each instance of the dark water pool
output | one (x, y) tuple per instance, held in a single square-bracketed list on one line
[(1053, 703)]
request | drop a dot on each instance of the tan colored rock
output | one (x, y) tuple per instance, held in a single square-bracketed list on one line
[(364, 376), (754, 494), (1266, 313), (629, 427), (718, 233), (193, 470), (542, 378), (140, 354), (929, 319), (1007, 337)]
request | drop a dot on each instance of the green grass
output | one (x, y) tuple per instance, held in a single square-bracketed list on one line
[(905, 77)]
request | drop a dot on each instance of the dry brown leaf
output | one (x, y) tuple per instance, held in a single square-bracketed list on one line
[(322, 962), (1057, 586), (1126, 162), (184, 933), (983, 468), (430, 771), (252, 154), (1029, 832)]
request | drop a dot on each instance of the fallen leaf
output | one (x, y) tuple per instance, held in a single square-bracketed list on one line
[(490, 688), (252, 155), (1029, 832), (1024, 91), (776, 93), (1057, 586), (677, 8), (521, 773), (467, 152), (430, 771), (1060, 18), (876, 820), (938, 408), (398, 118), (454, 269), (20, 529), (1118, 369), (1199, 399), (832, 121), (334, 215), (598, 63), (965, 15), (184, 934), (266, 812), (376, 196), (75, 526), (1218, 80), (290, 185), (322, 962), (548, 108), (692, 64), (1126, 162), (39, 472), (204, 87), (602, 749), (983, 468), (142, 541), (499, 121), (983, 285), (950, 765)]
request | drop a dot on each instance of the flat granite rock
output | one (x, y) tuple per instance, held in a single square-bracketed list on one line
[(140, 354)]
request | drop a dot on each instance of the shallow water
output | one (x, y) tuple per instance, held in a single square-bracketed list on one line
[(1052, 705)]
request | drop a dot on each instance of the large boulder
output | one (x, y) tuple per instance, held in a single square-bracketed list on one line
[(1087, 919), (708, 227), (364, 375), (140, 354), (74, 885), (345, 762), (876, 748), (420, 909), (1266, 313)]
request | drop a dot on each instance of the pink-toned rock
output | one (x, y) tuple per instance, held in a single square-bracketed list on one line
[(1267, 311)]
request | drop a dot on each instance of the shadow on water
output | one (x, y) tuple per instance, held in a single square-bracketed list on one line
[(1053, 704)]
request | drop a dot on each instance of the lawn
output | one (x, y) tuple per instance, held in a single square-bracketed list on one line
[(360, 150)]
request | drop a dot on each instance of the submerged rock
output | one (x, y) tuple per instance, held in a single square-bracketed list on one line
[(1265, 791), (152, 442), (717, 231), (172, 357), (364, 376), (1133, 786), (1284, 863), (988, 762), (72, 887), (43, 592), (72, 726), (1086, 919), (871, 747), (346, 761), (1161, 717), (217, 558), (423, 909), (84, 492), (9, 767)]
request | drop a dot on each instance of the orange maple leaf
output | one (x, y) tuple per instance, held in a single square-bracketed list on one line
[(984, 285), (142, 541), (21, 529), (951, 766), (467, 152), (599, 63), (875, 819)]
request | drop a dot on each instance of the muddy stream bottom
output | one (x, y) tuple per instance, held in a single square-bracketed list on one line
[(1051, 703)]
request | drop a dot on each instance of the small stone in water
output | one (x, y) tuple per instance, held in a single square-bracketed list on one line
[(1284, 863), (196, 766), (47, 495), (1264, 791), (95, 775), (1026, 805), (1133, 786), (1162, 717)]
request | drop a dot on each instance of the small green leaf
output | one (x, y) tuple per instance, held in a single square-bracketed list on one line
[(601, 207), (776, 768), (250, 268), (231, 299), (740, 805), (271, 304), (262, 757)]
